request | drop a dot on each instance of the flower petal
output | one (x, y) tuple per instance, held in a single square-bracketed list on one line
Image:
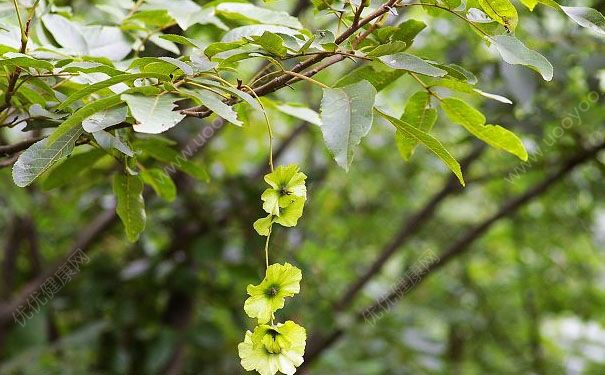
[(263, 225)]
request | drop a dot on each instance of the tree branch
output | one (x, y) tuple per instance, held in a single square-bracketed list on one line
[(14, 76), (84, 240), (319, 344), (9, 150), (282, 81), (411, 226)]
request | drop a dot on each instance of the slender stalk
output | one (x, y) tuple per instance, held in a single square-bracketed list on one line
[(23, 35), (302, 76), (269, 130), (267, 248)]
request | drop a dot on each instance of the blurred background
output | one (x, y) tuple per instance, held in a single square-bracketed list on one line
[(519, 283)]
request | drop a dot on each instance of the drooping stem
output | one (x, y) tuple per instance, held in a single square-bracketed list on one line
[(267, 248), (269, 131)]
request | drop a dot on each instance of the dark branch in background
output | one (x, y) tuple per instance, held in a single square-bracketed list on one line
[(462, 245), (11, 248), (86, 238), (9, 262), (9, 150), (12, 151), (410, 227)]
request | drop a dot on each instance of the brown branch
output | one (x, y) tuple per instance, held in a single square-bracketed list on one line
[(282, 81), (11, 248), (357, 14), (14, 76), (319, 344), (273, 85)]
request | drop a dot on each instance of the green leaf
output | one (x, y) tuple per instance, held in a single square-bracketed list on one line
[(108, 141), (271, 43), (88, 110), (378, 75), (90, 67), (472, 120), (185, 68), (200, 63), (496, 97), (182, 40), (218, 47), (161, 183), (300, 112), (234, 91), (255, 30), (501, 11), (42, 155), (130, 204), (154, 115), (387, 49), (74, 165), (24, 61), (418, 114), (185, 12), (65, 32), (407, 31), (586, 17), (346, 116), (176, 160), (530, 4), (74, 121), (550, 3), (106, 83), (165, 44), (250, 12), (459, 73), (514, 52), (429, 141), (404, 32), (104, 119), (100, 41), (412, 63), (216, 105)]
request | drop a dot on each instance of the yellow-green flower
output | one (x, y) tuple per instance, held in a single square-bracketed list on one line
[(287, 184), (288, 217), (273, 348), (280, 281)]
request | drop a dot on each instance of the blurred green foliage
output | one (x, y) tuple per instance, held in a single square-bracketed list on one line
[(527, 297)]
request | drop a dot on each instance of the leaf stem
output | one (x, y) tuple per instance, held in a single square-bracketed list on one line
[(302, 76), (23, 35), (267, 247), (452, 12), (426, 87), (269, 130)]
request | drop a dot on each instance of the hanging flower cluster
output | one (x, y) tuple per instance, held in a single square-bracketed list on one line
[(276, 347), (284, 200)]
